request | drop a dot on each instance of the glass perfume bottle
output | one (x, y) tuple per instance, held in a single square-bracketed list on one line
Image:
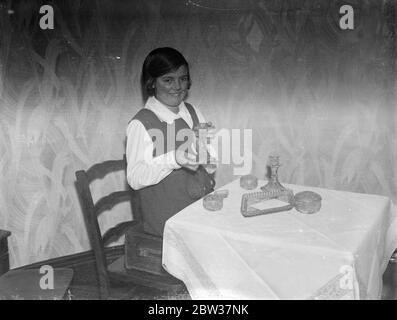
[(203, 140), (273, 184)]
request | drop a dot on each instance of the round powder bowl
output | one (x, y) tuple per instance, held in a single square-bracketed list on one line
[(248, 182), (307, 202), (213, 202)]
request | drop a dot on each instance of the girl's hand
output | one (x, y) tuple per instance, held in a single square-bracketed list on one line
[(212, 166), (187, 159)]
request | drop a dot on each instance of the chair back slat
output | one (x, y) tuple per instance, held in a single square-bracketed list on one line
[(114, 233), (109, 201), (100, 170)]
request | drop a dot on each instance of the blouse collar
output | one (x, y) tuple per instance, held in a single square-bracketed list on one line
[(162, 112)]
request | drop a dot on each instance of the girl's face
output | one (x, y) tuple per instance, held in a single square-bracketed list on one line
[(171, 88)]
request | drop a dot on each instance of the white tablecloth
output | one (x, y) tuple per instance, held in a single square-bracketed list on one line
[(340, 252)]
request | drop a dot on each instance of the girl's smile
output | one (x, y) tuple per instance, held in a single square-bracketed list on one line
[(171, 88)]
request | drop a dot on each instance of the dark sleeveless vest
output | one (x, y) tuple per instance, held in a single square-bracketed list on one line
[(181, 187)]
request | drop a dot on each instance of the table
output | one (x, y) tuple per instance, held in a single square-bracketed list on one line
[(340, 252)]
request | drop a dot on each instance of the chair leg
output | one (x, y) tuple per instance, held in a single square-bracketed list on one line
[(103, 292), (103, 284)]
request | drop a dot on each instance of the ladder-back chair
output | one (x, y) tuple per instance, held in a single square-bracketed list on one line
[(147, 247)]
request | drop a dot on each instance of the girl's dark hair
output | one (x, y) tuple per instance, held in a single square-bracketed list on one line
[(159, 62)]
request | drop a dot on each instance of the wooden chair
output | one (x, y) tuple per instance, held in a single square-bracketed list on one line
[(116, 272)]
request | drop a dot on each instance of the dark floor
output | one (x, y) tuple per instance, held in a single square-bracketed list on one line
[(84, 286)]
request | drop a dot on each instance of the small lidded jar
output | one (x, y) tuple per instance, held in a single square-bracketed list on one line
[(307, 202), (248, 182)]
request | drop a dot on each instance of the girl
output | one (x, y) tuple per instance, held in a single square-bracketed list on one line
[(161, 167)]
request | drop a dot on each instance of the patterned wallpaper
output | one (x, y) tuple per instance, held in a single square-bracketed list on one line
[(321, 97)]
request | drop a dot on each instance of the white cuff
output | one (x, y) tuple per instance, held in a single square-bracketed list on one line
[(168, 160)]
